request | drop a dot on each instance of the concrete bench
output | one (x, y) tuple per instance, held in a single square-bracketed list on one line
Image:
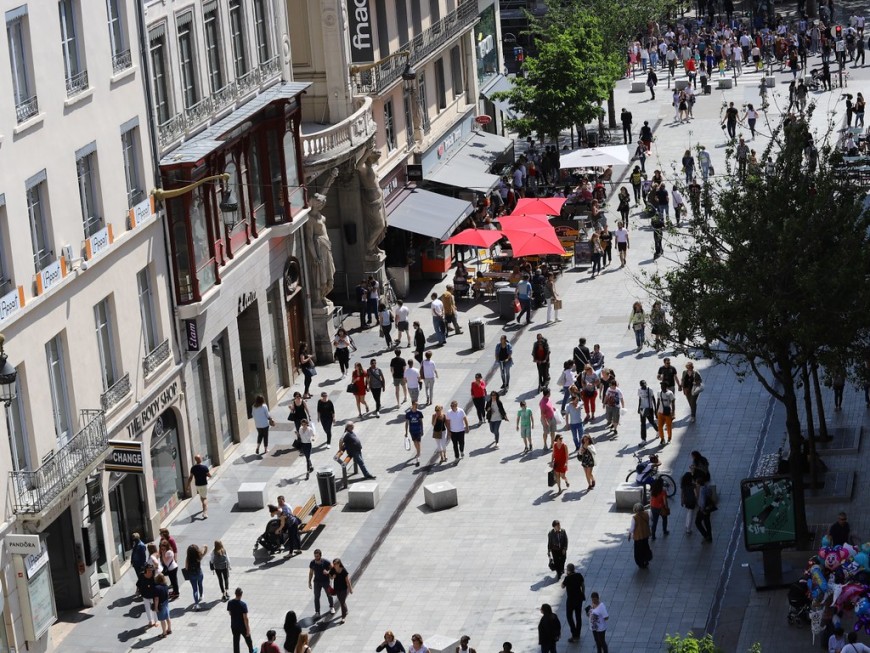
[(628, 494), (363, 496), (770, 82), (252, 496), (638, 87), (725, 82), (440, 496), (681, 84), (441, 644)]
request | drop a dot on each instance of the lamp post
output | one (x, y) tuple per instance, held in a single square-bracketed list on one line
[(8, 375)]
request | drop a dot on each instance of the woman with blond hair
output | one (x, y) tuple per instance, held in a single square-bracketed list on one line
[(220, 565), (637, 322)]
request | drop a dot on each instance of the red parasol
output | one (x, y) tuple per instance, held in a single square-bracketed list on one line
[(534, 243), (484, 238), (524, 221), (533, 205)]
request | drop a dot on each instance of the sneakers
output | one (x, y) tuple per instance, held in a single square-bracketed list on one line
[(331, 610)]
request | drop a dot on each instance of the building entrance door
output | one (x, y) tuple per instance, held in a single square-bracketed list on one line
[(251, 348), (64, 566)]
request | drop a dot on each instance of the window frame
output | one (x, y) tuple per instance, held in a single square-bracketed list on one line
[(132, 173), (69, 41), (19, 61), (118, 41), (187, 60), (237, 39), (104, 330), (213, 50), (389, 126), (261, 31), (440, 84), (87, 179), (19, 441), (456, 76), (409, 115), (59, 390), (160, 82), (424, 102), (43, 252)]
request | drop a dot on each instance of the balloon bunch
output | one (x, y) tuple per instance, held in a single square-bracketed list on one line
[(839, 576)]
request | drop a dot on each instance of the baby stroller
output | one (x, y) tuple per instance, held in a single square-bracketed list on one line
[(271, 539), (799, 604)]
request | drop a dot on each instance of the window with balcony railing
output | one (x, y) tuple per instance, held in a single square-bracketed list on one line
[(23, 86), (73, 60), (120, 47)]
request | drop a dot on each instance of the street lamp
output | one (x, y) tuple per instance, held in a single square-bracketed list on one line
[(228, 206), (8, 374)]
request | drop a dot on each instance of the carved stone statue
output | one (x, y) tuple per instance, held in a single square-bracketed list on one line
[(374, 214), (319, 247)]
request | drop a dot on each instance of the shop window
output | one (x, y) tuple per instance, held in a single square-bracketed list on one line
[(255, 185), (440, 86), (294, 186), (166, 469), (205, 269), (389, 127), (184, 274), (276, 176)]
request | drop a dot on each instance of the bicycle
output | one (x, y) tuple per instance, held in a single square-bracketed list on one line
[(668, 481), (389, 295)]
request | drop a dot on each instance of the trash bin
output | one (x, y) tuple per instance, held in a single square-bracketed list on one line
[(475, 328), (592, 138), (506, 298), (326, 485)]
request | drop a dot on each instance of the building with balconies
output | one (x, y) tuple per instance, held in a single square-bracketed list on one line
[(393, 98), (84, 307), (227, 127)]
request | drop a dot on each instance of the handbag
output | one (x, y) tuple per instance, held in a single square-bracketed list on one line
[(557, 304), (185, 573), (517, 306), (551, 478), (665, 511), (698, 389), (552, 563), (312, 370), (351, 388), (330, 590), (438, 435)]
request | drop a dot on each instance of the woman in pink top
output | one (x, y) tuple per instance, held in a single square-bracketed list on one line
[(548, 416)]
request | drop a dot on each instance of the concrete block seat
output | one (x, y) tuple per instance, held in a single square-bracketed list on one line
[(441, 644), (252, 496), (628, 494), (363, 496), (725, 82), (638, 87), (440, 496), (681, 84)]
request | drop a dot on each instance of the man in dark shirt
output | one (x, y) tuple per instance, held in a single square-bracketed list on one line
[(557, 545), (200, 474), (662, 200), (318, 580), (414, 427), (239, 625), (731, 115), (668, 376), (397, 367), (575, 588), (326, 413), (581, 355), (626, 124), (350, 444), (549, 629), (840, 530)]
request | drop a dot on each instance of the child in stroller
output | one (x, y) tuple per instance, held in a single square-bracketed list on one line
[(271, 539), (799, 603)]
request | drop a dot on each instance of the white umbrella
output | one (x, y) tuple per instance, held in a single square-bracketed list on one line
[(590, 157)]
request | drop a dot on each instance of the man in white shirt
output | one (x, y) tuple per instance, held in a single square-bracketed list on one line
[(401, 318), (412, 381), (646, 408), (621, 237), (429, 373), (679, 203), (457, 424), (438, 323)]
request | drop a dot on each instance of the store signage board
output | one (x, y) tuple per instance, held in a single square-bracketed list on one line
[(23, 544), (359, 15), (125, 456)]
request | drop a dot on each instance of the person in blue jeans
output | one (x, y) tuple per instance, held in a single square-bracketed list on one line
[(574, 418), (504, 358), (524, 295), (351, 445), (193, 566)]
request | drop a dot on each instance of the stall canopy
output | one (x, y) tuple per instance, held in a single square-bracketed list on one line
[(467, 166), (502, 83), (588, 157), (429, 214)]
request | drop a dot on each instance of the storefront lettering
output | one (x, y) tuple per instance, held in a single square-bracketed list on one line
[(448, 142), (247, 299), (360, 26), (125, 456), (152, 410)]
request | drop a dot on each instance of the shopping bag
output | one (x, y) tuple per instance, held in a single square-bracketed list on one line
[(551, 478)]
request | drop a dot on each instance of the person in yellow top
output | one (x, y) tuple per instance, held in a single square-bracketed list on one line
[(450, 310)]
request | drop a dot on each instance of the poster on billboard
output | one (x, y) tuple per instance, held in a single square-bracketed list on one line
[(359, 15), (768, 512)]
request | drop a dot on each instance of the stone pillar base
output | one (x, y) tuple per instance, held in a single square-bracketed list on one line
[(324, 332), (376, 264)]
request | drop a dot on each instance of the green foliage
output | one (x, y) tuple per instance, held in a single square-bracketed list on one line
[(691, 644), (567, 79)]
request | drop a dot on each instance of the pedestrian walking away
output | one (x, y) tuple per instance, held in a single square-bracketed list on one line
[(598, 618), (414, 428), (557, 548), (646, 404), (239, 624), (220, 566), (588, 458), (706, 506), (525, 424), (504, 358), (614, 402), (438, 323), (193, 571), (523, 295), (306, 364), (161, 605), (295, 640), (401, 318), (495, 415), (626, 119), (559, 463), (548, 416), (575, 594), (318, 580), (411, 381), (565, 382), (326, 415), (145, 586), (262, 421), (362, 296), (588, 391), (457, 424), (169, 565), (450, 311), (139, 555), (692, 386), (541, 358), (429, 372), (419, 342), (639, 532), (341, 585), (385, 321), (269, 646), (549, 629), (200, 474)]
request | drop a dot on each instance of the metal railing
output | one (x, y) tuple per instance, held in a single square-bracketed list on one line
[(154, 358), (378, 78), (334, 140), (181, 123), (122, 61), (120, 389), (27, 109), (33, 491), (134, 197), (77, 83)]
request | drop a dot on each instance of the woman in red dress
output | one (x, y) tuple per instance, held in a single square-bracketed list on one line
[(359, 380), (559, 461)]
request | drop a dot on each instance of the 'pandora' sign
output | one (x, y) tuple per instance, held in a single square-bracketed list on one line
[(360, 23)]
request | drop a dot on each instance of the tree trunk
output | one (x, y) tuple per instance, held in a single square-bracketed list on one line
[(611, 111), (820, 404), (811, 430), (795, 441)]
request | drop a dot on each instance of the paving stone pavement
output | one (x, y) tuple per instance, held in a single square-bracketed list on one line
[(481, 568)]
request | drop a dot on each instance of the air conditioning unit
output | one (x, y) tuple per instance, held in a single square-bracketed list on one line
[(67, 253)]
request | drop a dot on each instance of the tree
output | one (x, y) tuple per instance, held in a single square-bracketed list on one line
[(777, 276), (566, 80), (691, 644)]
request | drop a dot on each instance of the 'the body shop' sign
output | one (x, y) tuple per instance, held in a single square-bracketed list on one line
[(359, 15)]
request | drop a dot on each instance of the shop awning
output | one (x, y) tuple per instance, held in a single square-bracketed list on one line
[(501, 83), (467, 166), (429, 214)]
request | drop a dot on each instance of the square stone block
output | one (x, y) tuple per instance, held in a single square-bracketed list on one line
[(441, 644), (363, 496), (680, 84), (770, 81), (628, 494), (638, 87), (441, 495), (252, 496), (726, 82)]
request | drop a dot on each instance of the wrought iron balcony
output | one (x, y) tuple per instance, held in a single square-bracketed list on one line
[(26, 109), (34, 491), (111, 397), (122, 61), (77, 83), (154, 358), (327, 145), (182, 123), (445, 30)]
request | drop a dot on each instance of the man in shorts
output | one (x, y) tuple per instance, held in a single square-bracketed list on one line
[(412, 381), (621, 237), (401, 317), (525, 424), (200, 474), (414, 428), (397, 367)]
